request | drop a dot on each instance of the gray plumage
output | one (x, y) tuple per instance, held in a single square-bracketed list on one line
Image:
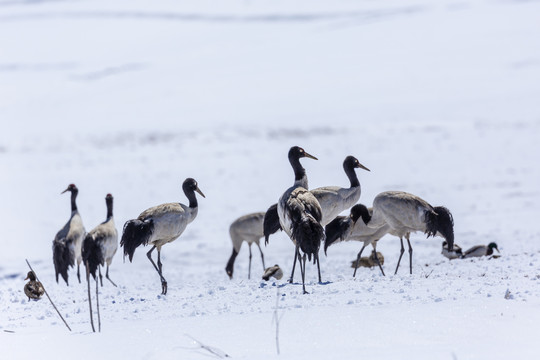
[(406, 213), (101, 243), (160, 225), (480, 250), (300, 215), (249, 229), (334, 199), (354, 228), (68, 241)]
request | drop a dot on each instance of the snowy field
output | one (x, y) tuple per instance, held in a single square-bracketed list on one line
[(440, 99)]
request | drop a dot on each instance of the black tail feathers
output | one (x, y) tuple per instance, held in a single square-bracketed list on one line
[(308, 234), (441, 221), (91, 254), (271, 222), (335, 230), (136, 233), (63, 258)]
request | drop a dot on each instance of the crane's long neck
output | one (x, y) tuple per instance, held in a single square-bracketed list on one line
[(300, 177), (190, 194), (73, 200), (351, 174), (109, 202)]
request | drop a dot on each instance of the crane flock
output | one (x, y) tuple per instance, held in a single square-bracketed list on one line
[(310, 218)]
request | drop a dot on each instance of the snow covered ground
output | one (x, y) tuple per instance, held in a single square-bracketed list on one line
[(131, 97)]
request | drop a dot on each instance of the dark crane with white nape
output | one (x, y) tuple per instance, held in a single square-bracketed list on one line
[(300, 215), (249, 229), (68, 241), (100, 244), (405, 213), (160, 225), (353, 227)]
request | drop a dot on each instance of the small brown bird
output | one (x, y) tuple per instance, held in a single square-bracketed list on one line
[(33, 289), (274, 271), (370, 261)]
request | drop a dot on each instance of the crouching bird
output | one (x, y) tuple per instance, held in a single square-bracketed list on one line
[(33, 288), (160, 225)]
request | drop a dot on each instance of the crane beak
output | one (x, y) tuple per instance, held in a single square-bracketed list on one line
[(310, 156), (65, 190), (362, 167), (200, 192)]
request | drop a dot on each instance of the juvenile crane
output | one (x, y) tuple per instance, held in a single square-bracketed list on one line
[(160, 225), (100, 244), (347, 228), (300, 215), (68, 241), (405, 213), (248, 228)]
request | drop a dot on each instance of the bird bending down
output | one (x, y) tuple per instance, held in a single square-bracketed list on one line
[(347, 228), (68, 241), (248, 228), (33, 288), (480, 250), (300, 214), (405, 213), (100, 244), (160, 225)]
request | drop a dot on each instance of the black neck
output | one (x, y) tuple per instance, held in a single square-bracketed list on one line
[(351, 174), (109, 202), (230, 264), (190, 194), (73, 198), (299, 171)]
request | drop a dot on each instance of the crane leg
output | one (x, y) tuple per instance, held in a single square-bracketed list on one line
[(303, 271), (107, 276), (358, 260), (410, 254), (318, 267), (296, 254), (262, 255), (400, 255), (163, 281), (78, 273), (100, 276), (249, 268)]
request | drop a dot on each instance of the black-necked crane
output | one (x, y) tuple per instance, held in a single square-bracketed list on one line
[(406, 213), (160, 225), (300, 215), (100, 244), (332, 199), (456, 253), (480, 250), (33, 288), (68, 241), (335, 199), (249, 229), (347, 228)]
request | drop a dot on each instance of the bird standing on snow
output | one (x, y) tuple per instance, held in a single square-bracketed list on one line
[(100, 244), (160, 225), (33, 288), (454, 254), (480, 250), (347, 228), (273, 271), (369, 261), (405, 213), (248, 228), (68, 241), (300, 215)]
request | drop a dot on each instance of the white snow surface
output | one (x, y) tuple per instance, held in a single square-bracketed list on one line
[(440, 99)]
